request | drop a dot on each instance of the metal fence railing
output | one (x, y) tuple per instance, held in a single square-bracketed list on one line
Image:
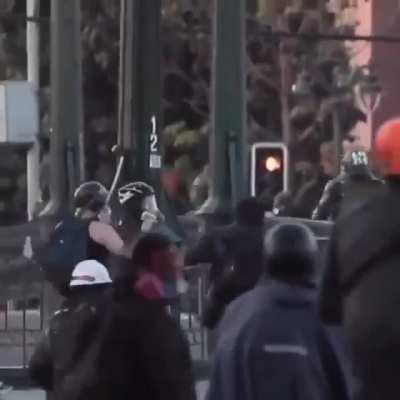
[(21, 325), (191, 306)]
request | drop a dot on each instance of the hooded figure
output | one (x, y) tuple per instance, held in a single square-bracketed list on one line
[(235, 255), (64, 361), (360, 287), (146, 355), (272, 344)]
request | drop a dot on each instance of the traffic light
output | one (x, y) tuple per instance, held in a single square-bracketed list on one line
[(269, 174)]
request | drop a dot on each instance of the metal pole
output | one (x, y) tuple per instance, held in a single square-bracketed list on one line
[(147, 89), (229, 108), (285, 62), (140, 72), (66, 80), (33, 55)]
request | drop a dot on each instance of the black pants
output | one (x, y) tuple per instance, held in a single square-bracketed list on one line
[(221, 295)]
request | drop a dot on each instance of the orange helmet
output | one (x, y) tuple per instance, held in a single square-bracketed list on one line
[(387, 148)]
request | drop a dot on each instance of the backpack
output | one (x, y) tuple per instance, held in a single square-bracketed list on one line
[(68, 246)]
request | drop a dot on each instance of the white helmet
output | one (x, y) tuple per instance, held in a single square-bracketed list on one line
[(88, 273)]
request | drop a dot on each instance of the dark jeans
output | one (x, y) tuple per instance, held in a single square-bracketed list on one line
[(221, 295)]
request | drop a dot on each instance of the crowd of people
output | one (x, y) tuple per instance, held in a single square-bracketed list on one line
[(115, 335)]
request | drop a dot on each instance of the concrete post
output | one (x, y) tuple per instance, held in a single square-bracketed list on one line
[(228, 141), (33, 55)]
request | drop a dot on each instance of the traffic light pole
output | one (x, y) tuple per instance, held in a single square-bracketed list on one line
[(228, 142)]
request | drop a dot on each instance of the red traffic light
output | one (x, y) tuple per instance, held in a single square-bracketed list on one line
[(269, 170), (273, 164)]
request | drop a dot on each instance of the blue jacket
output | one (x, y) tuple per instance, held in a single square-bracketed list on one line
[(273, 347)]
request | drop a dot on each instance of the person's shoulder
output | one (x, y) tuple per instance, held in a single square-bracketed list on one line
[(244, 305), (335, 183)]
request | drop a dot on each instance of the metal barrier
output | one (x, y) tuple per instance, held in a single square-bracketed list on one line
[(21, 324), (191, 306)]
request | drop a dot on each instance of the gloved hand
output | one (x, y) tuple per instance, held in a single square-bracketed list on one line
[(149, 220)]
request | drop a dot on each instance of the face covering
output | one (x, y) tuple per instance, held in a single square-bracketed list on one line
[(152, 288)]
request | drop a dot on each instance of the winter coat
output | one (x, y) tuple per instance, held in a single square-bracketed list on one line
[(67, 353), (235, 254), (235, 245), (343, 194), (145, 354), (360, 286), (272, 346), (141, 353)]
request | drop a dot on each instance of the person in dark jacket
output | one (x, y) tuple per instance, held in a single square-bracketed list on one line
[(238, 245), (360, 286), (63, 359), (145, 355), (349, 190), (272, 344), (235, 255), (90, 204), (141, 213)]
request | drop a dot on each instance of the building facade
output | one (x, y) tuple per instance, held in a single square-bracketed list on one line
[(376, 17)]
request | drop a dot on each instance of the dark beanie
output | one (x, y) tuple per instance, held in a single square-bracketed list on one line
[(250, 212), (147, 245)]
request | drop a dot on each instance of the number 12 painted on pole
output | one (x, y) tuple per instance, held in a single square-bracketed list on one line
[(155, 157)]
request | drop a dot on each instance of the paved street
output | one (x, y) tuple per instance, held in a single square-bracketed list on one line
[(39, 395), (25, 395)]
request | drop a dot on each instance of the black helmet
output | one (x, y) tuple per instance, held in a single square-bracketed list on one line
[(356, 162), (290, 251), (90, 196), (134, 190)]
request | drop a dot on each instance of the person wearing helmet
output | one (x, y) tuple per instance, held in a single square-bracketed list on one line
[(141, 213), (360, 285), (272, 344), (90, 204), (64, 358), (349, 190)]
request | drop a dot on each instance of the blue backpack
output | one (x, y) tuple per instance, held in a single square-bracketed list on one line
[(68, 246)]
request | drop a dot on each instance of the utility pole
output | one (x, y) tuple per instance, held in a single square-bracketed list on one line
[(33, 55), (141, 88), (228, 141), (66, 155), (286, 73)]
